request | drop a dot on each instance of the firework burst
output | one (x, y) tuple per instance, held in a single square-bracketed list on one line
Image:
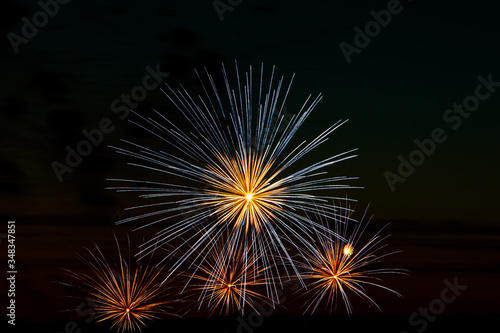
[(233, 169), (127, 297), (339, 266), (228, 284)]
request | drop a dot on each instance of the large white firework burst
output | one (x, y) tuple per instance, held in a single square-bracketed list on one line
[(234, 169)]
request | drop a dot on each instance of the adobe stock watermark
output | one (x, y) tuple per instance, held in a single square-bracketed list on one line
[(420, 320), (84, 309), (222, 6), (372, 29), (256, 318), (49, 9), (95, 136), (454, 118)]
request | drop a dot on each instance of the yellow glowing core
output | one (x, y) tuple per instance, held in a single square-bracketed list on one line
[(127, 309), (348, 250), (249, 196), (229, 285)]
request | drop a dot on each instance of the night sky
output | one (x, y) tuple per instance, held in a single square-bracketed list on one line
[(431, 74)]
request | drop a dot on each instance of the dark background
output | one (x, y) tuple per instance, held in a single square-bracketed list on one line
[(443, 217)]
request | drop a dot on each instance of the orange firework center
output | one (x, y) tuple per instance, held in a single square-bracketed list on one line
[(242, 191)]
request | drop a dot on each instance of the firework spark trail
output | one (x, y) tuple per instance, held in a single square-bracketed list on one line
[(126, 297), (233, 171), (336, 266), (227, 283)]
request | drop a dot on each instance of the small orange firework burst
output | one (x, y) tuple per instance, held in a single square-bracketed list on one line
[(348, 250), (342, 265), (226, 283), (123, 295)]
